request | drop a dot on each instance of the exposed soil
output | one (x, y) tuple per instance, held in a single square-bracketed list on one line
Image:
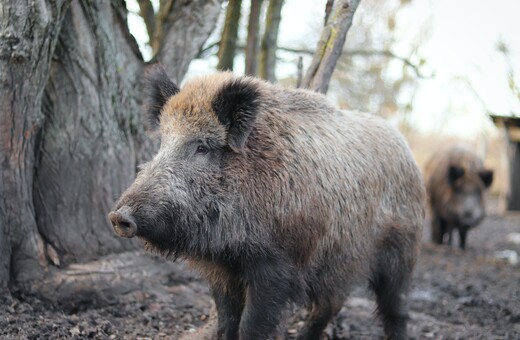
[(472, 294)]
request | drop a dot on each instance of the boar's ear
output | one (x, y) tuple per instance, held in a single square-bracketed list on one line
[(236, 106), (160, 88), (454, 173), (486, 176)]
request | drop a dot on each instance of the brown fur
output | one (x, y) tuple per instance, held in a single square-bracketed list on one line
[(310, 201), (446, 196)]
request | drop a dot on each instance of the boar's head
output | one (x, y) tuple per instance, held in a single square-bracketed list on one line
[(466, 206), (183, 197)]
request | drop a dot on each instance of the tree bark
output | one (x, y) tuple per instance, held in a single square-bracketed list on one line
[(328, 9), (28, 34), (147, 13), (87, 147), (269, 41), (182, 27), (253, 38), (330, 45), (228, 41)]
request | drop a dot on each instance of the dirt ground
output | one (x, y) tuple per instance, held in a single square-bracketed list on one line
[(455, 295)]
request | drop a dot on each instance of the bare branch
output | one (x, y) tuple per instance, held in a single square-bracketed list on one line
[(204, 52), (368, 53), (390, 54), (513, 86), (476, 94)]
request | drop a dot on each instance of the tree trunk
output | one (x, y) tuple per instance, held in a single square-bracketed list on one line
[(253, 38), (86, 151), (328, 9), (182, 27), (330, 45), (269, 41), (70, 131), (147, 13), (228, 41), (28, 34)]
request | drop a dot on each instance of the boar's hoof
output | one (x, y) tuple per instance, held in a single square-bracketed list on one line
[(123, 223)]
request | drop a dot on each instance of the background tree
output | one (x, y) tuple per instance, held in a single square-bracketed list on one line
[(228, 40), (330, 45), (253, 37), (71, 133), (269, 41)]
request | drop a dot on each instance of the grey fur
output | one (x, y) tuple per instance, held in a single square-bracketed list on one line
[(315, 201)]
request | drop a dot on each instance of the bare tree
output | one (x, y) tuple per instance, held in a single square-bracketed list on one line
[(70, 129), (330, 45), (269, 40), (253, 37), (228, 42)]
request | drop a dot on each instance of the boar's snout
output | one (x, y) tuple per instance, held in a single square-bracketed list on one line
[(123, 222)]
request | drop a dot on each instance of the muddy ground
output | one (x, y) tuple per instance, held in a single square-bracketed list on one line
[(455, 295)]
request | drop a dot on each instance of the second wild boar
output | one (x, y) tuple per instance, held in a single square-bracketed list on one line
[(456, 182)]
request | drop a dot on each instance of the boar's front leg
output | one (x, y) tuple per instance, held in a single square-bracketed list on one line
[(462, 236), (229, 300), (272, 285), (438, 229)]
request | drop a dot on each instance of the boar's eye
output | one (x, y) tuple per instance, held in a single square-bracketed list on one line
[(202, 150)]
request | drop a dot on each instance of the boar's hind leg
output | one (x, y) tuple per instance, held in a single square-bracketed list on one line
[(322, 312), (390, 280), (272, 285), (230, 304)]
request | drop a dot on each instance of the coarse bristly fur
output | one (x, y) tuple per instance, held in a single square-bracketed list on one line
[(456, 182), (277, 197)]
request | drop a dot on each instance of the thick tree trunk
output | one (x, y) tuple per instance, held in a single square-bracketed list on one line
[(253, 37), (70, 132), (269, 41), (86, 151), (28, 33), (228, 41), (330, 45)]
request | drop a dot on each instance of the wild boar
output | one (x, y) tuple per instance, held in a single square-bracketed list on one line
[(456, 182), (276, 197)]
